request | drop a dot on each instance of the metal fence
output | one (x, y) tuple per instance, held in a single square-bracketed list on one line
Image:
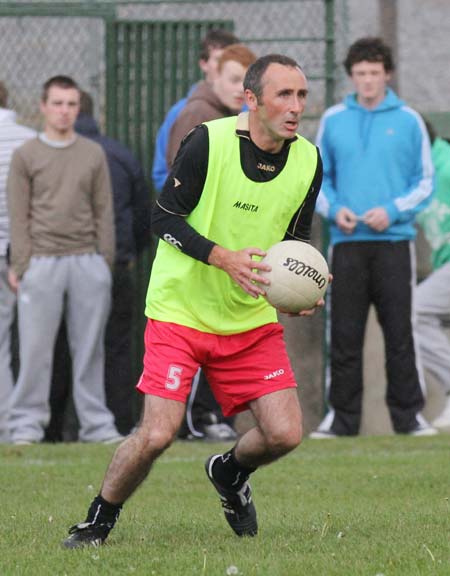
[(39, 39), (136, 59)]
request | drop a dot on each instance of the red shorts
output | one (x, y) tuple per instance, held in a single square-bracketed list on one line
[(239, 368)]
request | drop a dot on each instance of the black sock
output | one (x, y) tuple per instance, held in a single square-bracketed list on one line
[(103, 513), (229, 473)]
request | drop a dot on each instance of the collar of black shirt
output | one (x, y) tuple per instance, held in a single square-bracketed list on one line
[(243, 129)]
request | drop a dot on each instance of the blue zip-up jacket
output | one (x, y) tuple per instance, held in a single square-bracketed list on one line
[(374, 158), (159, 169)]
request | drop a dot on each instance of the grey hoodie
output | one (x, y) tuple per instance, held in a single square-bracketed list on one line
[(12, 135)]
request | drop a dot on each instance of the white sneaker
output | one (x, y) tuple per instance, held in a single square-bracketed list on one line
[(423, 428), (220, 432), (114, 439), (324, 431), (322, 435), (23, 442), (443, 420), (423, 431)]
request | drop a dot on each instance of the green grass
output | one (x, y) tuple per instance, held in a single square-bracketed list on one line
[(356, 507)]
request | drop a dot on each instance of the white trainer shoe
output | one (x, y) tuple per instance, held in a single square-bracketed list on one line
[(324, 431), (113, 439), (423, 431), (443, 420), (220, 432), (322, 435), (24, 442), (423, 428)]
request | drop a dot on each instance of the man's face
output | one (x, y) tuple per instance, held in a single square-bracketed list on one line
[(282, 102), (370, 80), (210, 67), (229, 85), (60, 110)]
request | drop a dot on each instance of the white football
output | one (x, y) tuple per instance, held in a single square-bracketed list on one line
[(299, 276)]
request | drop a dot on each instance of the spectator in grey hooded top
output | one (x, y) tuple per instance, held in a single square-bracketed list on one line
[(12, 135)]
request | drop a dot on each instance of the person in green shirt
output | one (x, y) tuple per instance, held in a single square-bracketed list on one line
[(433, 294)]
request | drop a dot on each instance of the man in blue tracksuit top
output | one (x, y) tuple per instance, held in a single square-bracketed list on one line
[(377, 176), (211, 49)]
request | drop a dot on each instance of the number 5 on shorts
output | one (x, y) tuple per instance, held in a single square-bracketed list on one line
[(173, 380)]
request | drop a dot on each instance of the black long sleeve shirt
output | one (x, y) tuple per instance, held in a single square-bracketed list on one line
[(184, 185)]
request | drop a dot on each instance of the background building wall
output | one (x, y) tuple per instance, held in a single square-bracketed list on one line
[(423, 51)]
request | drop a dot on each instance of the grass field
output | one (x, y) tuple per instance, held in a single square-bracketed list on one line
[(353, 507)]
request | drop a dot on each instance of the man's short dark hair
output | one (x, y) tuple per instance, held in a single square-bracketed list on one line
[(60, 81), (370, 49), (3, 95), (253, 77), (216, 38)]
